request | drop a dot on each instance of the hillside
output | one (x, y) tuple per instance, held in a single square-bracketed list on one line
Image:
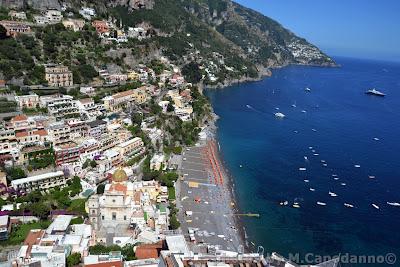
[(226, 40)]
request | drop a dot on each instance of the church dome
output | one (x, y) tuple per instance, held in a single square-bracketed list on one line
[(119, 176)]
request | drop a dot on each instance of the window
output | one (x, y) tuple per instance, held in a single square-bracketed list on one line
[(124, 217), (93, 211), (114, 216), (102, 217)]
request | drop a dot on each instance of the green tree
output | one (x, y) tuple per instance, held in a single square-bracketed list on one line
[(3, 33), (173, 222), (74, 259), (192, 72), (15, 173), (40, 210), (100, 189)]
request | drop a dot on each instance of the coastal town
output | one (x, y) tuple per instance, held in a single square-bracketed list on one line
[(110, 164)]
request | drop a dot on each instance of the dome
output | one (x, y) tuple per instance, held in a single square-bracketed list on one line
[(119, 176)]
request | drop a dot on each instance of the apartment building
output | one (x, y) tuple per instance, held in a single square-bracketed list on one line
[(40, 182), (15, 28), (59, 133), (60, 106), (131, 147), (97, 128), (58, 75), (27, 101)]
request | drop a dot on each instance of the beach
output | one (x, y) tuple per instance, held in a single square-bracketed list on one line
[(205, 199)]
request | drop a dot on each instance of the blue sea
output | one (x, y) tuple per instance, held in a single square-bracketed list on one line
[(263, 155)]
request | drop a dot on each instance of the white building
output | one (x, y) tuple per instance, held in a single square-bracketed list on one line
[(40, 182)]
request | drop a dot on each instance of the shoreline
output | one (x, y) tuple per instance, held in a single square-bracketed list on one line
[(231, 186)]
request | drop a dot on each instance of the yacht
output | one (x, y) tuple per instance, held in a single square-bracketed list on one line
[(307, 89), (279, 115), (348, 205), (376, 139), (312, 189), (336, 178), (374, 92), (296, 206), (375, 206), (302, 169), (305, 158), (304, 111), (357, 166), (371, 176), (306, 181), (344, 184), (396, 204), (294, 104), (332, 194), (321, 203)]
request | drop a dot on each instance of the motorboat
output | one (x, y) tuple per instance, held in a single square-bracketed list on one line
[(279, 115), (357, 166), (321, 203), (374, 92), (332, 194), (396, 204), (302, 169), (348, 205), (312, 189), (375, 206), (307, 89)]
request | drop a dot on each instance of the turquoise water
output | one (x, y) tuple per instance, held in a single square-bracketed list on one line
[(345, 123)]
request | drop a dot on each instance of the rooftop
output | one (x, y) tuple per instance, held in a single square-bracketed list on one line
[(36, 178)]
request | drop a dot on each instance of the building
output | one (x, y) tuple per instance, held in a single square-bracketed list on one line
[(101, 26), (17, 15), (40, 20), (87, 12), (53, 16), (59, 133), (58, 75), (97, 128), (124, 99), (156, 162), (59, 225), (15, 27), (27, 101), (67, 153), (75, 25), (32, 137), (60, 106), (21, 123), (40, 182), (88, 109), (131, 148), (113, 259), (5, 227)]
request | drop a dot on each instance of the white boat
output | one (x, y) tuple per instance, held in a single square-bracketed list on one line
[(285, 203), (375, 206), (332, 194), (371, 176), (321, 203), (248, 106), (376, 139), (348, 205), (302, 169), (396, 204), (344, 184), (305, 157), (325, 165), (240, 166), (316, 154), (336, 178), (280, 115), (314, 130), (294, 104), (313, 151), (306, 181), (357, 166), (374, 92), (310, 147), (323, 161), (296, 206), (312, 189), (277, 108), (307, 89), (334, 175), (304, 111)]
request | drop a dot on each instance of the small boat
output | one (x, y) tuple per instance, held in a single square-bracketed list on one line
[(323, 161), (344, 184), (303, 111), (314, 130), (334, 175), (357, 166), (374, 92), (302, 169), (348, 205), (305, 158), (240, 166), (321, 203), (371, 176), (312, 189), (284, 203), (277, 108), (313, 151), (396, 204), (310, 147), (316, 154), (332, 194), (294, 104), (296, 206), (325, 165), (295, 131), (307, 89), (375, 206), (376, 139), (279, 115), (336, 178), (306, 181)]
